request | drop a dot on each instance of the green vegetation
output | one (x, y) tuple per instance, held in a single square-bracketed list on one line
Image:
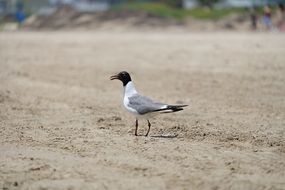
[(165, 11), (208, 3), (172, 3), (213, 14), (157, 9)]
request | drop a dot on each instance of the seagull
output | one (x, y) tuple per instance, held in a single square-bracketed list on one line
[(140, 106)]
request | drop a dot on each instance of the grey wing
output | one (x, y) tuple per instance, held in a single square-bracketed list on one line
[(144, 104)]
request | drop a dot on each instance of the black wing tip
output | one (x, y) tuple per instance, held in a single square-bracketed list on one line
[(171, 108), (176, 106), (183, 105)]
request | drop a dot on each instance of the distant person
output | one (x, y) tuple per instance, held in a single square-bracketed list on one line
[(20, 16), (281, 17), (267, 17), (253, 18)]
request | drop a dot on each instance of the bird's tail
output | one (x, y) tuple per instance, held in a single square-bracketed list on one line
[(171, 108)]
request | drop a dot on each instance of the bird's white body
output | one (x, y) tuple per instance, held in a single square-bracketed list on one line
[(129, 90)]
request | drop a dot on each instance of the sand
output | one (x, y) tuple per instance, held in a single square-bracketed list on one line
[(63, 125)]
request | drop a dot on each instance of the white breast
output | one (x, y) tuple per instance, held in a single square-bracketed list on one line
[(131, 110), (129, 90)]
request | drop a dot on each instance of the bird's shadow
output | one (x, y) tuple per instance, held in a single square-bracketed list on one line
[(165, 136)]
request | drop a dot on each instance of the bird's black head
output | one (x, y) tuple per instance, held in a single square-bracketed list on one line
[(122, 76)]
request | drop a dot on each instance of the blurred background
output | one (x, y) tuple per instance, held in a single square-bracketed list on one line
[(142, 14)]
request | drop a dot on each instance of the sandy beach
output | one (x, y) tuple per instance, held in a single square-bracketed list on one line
[(63, 125)]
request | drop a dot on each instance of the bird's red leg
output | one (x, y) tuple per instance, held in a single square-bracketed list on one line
[(136, 131), (148, 128)]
